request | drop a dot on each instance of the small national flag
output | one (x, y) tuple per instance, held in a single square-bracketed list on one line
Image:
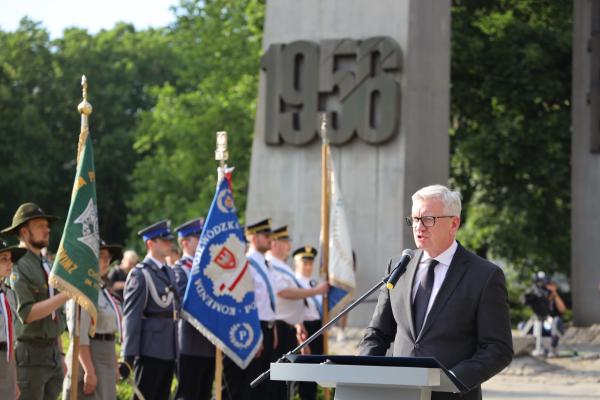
[(219, 299), (75, 268), (342, 280)]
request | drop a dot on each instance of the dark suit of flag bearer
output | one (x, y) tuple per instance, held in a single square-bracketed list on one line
[(97, 367), (8, 376), (196, 369), (236, 384), (150, 315), (304, 258)]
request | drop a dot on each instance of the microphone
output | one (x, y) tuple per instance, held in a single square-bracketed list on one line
[(400, 268)]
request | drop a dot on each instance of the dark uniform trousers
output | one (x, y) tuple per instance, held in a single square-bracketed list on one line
[(153, 377), (236, 381), (286, 341), (308, 390), (196, 375)]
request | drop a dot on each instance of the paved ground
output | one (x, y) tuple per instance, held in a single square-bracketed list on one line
[(573, 375)]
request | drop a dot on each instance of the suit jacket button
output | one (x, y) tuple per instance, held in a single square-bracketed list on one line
[(417, 346)]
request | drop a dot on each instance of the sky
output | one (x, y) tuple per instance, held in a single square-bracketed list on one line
[(56, 15)]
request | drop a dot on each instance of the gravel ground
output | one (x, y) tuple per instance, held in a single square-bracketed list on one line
[(575, 374)]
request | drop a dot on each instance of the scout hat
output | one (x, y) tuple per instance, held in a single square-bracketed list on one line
[(280, 233), (26, 212), (116, 251), (15, 252), (158, 230), (192, 227), (263, 226), (305, 253)]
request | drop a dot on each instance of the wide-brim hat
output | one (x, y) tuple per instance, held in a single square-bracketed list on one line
[(27, 212), (116, 251), (15, 252)]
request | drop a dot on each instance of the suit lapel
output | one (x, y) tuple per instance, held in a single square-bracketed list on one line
[(456, 270), (406, 291)]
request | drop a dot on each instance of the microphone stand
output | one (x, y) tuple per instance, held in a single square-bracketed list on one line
[(315, 335)]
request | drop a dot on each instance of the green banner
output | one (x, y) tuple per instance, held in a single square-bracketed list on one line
[(75, 269)]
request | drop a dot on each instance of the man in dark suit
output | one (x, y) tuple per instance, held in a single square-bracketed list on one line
[(450, 304)]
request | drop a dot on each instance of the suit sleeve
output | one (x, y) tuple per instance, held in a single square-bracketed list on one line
[(133, 310), (494, 337), (382, 328)]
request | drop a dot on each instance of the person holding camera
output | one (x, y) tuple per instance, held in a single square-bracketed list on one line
[(557, 308)]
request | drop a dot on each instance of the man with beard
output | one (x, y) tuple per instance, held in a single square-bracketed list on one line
[(41, 320), (266, 285)]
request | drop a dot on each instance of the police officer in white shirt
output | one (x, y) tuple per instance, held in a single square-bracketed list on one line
[(236, 383), (291, 298), (304, 263)]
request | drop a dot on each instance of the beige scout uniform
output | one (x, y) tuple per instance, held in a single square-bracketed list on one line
[(102, 349)]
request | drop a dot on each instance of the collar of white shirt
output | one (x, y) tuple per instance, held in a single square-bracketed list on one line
[(444, 258), (156, 262), (256, 255)]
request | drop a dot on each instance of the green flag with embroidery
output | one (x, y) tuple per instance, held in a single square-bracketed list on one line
[(75, 268)]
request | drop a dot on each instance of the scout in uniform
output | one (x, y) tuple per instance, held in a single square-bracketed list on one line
[(291, 296), (304, 258), (97, 357), (39, 307), (196, 370), (8, 377), (237, 381), (150, 315)]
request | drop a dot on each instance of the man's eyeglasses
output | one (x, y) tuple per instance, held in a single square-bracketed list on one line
[(427, 221)]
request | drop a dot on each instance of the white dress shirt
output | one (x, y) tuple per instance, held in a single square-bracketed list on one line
[(311, 313), (261, 291), (444, 259), (290, 311)]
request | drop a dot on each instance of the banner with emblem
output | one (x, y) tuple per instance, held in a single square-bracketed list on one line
[(75, 268), (219, 299), (342, 280)]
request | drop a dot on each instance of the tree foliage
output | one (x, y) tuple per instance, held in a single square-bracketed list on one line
[(510, 137)]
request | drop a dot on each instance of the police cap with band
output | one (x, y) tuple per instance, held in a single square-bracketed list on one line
[(159, 230), (305, 253), (192, 227), (263, 226), (280, 233)]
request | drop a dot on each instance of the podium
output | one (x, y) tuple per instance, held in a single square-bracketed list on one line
[(371, 377)]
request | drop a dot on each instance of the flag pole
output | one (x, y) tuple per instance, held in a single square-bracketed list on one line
[(85, 109), (221, 155), (325, 210)]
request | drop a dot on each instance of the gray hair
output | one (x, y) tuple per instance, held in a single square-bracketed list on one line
[(450, 199)]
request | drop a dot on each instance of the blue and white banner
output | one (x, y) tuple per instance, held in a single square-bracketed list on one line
[(219, 298), (342, 280)]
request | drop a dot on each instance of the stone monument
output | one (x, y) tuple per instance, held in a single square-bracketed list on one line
[(585, 161), (380, 70)]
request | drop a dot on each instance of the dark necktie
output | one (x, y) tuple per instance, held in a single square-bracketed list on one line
[(422, 297)]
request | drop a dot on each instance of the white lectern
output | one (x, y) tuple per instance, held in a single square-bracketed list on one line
[(359, 378)]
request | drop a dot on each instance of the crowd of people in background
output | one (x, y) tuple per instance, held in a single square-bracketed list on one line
[(139, 306)]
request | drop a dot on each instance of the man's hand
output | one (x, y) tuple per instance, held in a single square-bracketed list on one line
[(301, 333), (90, 381), (321, 288)]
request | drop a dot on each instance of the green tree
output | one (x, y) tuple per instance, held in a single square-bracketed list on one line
[(215, 89), (510, 137)]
